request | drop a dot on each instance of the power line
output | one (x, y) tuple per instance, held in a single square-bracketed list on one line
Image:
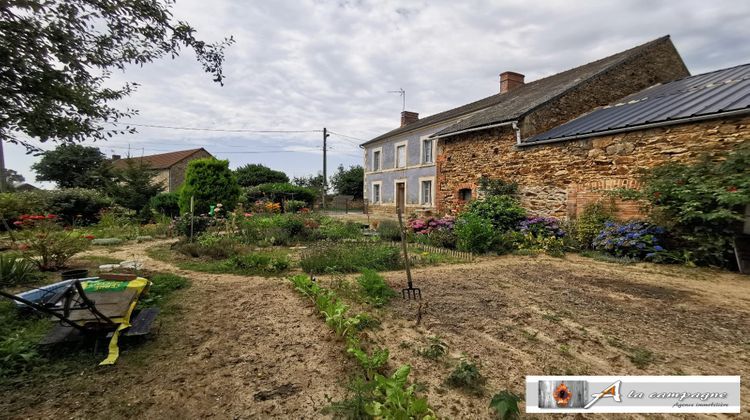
[(223, 130)]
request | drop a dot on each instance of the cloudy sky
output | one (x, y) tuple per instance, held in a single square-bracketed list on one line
[(308, 64)]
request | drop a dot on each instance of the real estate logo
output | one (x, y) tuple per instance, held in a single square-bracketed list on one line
[(633, 394)]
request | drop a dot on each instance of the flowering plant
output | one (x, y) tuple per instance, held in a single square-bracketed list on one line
[(634, 239), (542, 226), (425, 226), (46, 242)]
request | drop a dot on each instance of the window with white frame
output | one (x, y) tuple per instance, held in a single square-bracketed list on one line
[(428, 148), (376, 193), (376, 159), (425, 192), (401, 156)]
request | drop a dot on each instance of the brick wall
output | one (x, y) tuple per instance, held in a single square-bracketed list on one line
[(177, 171), (559, 179)]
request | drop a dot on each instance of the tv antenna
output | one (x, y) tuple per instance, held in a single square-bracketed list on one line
[(401, 92)]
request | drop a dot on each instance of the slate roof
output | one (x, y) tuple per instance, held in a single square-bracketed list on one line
[(703, 95), (160, 161), (512, 105)]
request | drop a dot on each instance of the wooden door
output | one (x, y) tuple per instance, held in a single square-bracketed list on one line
[(400, 196)]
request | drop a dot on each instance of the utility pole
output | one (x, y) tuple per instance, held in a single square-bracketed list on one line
[(3, 180), (325, 167)]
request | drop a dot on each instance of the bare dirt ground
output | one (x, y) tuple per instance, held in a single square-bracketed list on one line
[(232, 347), (519, 316), (249, 347)]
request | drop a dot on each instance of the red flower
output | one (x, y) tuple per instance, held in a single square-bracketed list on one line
[(89, 237), (732, 189)]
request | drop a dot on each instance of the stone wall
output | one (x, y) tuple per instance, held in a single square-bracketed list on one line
[(559, 179), (177, 171), (660, 63)]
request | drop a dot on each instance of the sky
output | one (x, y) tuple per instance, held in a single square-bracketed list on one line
[(307, 64)]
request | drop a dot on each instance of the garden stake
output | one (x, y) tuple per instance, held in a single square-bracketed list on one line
[(410, 292)]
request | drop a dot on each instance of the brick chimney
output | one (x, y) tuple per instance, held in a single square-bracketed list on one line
[(408, 117), (510, 80)]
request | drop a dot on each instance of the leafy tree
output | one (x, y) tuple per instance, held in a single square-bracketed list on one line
[(257, 174), (167, 204), (13, 177), (210, 181), (349, 181), (74, 166), (282, 191), (314, 182), (58, 56), (134, 186)]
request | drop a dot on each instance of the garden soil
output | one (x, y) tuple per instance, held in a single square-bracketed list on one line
[(249, 347)]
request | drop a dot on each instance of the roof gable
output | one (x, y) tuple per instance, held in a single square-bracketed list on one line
[(160, 161), (515, 103), (518, 102), (700, 96)]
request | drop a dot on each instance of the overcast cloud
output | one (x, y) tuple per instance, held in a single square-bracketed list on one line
[(305, 65)]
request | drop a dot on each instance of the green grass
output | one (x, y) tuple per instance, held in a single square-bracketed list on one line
[(374, 289), (163, 285), (265, 263), (350, 257)]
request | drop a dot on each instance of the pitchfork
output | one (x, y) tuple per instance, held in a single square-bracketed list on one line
[(410, 292)]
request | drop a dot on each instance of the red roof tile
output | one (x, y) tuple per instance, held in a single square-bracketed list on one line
[(160, 161)]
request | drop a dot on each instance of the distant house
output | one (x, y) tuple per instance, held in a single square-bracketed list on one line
[(413, 166), (169, 167)]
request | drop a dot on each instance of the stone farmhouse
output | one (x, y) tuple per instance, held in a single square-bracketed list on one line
[(169, 167), (434, 163), (562, 168)]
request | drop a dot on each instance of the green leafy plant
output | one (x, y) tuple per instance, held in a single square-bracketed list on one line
[(18, 339), (389, 230), (163, 285), (370, 363), (374, 289), (503, 212), (701, 204), (210, 182), (44, 240), (350, 257), (466, 376), (551, 245), (474, 234), (16, 271), (504, 404), (435, 349), (166, 203), (276, 192), (395, 400), (590, 223), (354, 406), (262, 263)]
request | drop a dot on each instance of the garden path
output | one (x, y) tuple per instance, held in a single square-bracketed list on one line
[(229, 347)]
